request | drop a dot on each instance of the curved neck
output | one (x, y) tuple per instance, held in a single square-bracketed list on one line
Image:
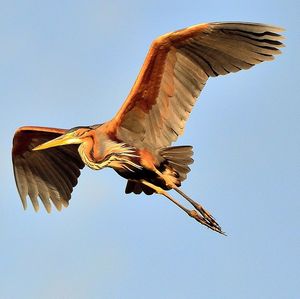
[(85, 150)]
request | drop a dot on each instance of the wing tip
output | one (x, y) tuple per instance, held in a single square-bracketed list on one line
[(58, 207), (24, 203), (36, 208), (64, 202), (48, 209), (255, 24)]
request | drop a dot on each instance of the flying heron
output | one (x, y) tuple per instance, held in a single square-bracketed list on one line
[(136, 142)]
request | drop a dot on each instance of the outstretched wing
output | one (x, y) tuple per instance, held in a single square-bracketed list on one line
[(50, 174), (176, 69)]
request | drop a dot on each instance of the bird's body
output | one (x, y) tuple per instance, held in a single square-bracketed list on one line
[(136, 143)]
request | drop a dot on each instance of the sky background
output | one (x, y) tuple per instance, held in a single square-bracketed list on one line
[(69, 63)]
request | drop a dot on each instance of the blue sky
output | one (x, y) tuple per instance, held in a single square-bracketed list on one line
[(67, 63)]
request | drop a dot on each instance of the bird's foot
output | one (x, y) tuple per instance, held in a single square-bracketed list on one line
[(208, 222), (203, 216)]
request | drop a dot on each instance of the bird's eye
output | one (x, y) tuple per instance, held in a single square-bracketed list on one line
[(78, 134), (81, 133)]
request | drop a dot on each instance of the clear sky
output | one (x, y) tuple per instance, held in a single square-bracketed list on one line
[(69, 63)]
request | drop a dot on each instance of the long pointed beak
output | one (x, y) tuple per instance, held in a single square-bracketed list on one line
[(61, 140)]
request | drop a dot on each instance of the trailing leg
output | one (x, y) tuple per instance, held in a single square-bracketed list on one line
[(169, 181), (198, 207), (192, 213)]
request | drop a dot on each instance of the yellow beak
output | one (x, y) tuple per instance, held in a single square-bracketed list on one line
[(61, 140)]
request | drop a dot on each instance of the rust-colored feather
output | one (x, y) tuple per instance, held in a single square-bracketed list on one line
[(175, 71)]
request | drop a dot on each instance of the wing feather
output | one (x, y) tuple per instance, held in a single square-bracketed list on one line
[(175, 71), (48, 174)]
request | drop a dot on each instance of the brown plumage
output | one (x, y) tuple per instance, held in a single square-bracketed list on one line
[(137, 141), (49, 174)]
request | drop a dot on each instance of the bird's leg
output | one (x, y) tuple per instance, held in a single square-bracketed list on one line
[(192, 213), (196, 205), (169, 180)]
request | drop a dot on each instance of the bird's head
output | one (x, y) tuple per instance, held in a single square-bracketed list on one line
[(75, 135)]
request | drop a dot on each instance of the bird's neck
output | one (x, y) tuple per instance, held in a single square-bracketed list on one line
[(98, 153), (86, 154)]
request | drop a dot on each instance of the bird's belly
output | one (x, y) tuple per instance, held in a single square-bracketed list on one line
[(143, 175), (137, 174)]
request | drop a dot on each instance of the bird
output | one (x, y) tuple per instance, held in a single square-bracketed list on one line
[(137, 141)]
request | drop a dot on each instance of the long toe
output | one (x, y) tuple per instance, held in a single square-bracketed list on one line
[(208, 222), (207, 216)]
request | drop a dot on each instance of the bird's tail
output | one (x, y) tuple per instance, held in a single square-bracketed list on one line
[(176, 165), (179, 158)]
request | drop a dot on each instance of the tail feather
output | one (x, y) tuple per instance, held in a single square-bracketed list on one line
[(179, 158), (176, 163)]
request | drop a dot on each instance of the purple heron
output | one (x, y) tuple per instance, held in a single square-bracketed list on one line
[(136, 143)]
